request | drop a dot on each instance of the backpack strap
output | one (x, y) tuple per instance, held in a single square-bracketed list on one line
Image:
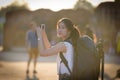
[(65, 61), (63, 58)]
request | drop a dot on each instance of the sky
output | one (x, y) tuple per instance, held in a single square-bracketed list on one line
[(54, 5)]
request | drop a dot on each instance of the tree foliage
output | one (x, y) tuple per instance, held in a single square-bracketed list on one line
[(16, 5), (83, 4)]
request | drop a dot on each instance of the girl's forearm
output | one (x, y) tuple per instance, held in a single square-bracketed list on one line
[(41, 46), (45, 40)]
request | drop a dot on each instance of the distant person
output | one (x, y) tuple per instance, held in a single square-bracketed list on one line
[(32, 46), (90, 33)]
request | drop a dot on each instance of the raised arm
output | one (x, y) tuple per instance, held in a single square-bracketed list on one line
[(45, 38), (60, 47)]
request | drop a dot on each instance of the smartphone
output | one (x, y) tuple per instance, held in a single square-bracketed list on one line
[(42, 25)]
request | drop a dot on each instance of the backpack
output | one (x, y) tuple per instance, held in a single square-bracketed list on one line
[(86, 65)]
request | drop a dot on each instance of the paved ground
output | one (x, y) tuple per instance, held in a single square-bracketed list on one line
[(16, 71), (13, 66)]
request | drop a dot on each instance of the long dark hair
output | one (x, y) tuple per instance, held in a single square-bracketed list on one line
[(75, 34), (71, 27)]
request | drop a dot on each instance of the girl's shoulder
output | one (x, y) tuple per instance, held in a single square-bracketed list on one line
[(67, 43), (64, 43)]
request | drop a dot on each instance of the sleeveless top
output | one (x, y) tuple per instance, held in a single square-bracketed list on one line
[(61, 68)]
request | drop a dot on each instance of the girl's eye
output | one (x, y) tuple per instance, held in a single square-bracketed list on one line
[(62, 27)]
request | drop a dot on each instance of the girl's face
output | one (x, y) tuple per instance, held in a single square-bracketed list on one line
[(62, 31)]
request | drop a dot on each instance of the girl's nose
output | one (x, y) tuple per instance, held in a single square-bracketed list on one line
[(60, 29)]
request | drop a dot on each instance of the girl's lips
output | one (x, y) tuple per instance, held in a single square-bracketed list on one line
[(59, 33)]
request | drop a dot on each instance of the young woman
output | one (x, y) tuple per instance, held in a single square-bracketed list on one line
[(66, 31)]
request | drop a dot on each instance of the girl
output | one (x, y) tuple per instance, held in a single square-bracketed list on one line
[(66, 31)]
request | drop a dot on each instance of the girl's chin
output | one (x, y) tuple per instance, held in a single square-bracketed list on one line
[(59, 36)]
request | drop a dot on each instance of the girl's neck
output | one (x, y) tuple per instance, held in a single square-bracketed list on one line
[(66, 38)]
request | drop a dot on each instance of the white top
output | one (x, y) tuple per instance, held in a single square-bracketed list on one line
[(61, 68)]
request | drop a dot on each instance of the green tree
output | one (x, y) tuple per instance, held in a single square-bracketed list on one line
[(16, 5), (83, 4)]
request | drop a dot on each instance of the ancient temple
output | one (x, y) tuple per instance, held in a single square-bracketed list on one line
[(17, 23)]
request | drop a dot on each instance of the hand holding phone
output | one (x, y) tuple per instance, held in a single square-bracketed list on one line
[(42, 26)]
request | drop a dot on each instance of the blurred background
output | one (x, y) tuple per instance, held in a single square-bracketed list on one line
[(102, 17)]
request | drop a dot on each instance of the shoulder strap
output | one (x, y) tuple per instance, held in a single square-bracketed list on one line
[(65, 61), (63, 58)]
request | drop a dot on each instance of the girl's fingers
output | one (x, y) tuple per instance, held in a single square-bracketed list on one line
[(43, 26)]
